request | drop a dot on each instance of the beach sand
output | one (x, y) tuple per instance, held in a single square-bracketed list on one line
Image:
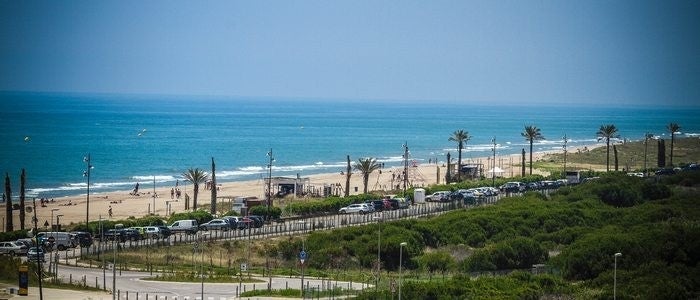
[(73, 208)]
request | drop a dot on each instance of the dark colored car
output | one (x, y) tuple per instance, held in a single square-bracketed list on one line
[(113, 234), (665, 172), (258, 220), (131, 234), (378, 205), (84, 239), (164, 231)]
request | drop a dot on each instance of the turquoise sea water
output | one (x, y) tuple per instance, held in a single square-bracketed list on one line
[(134, 138)]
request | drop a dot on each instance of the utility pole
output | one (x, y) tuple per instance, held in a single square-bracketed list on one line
[(493, 171), (86, 173), (566, 140), (405, 167)]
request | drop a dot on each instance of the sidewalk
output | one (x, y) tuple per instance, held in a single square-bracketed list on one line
[(55, 294)]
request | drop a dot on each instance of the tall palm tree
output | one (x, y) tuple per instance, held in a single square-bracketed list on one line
[(195, 176), (22, 183), (348, 173), (647, 137), (8, 204), (213, 187), (461, 137), (607, 132), (366, 166), (673, 128), (532, 134)]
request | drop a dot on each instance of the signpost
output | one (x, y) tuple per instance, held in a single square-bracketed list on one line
[(302, 259)]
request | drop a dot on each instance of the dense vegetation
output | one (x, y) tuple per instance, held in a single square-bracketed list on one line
[(574, 232)]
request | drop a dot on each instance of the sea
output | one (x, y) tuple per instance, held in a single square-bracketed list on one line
[(152, 138)]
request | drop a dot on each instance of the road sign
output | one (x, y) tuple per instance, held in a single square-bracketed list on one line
[(51, 239), (244, 267), (302, 256)]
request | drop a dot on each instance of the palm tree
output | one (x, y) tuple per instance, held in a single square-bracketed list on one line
[(213, 187), (531, 134), (366, 166), (348, 173), (8, 204), (461, 137), (673, 128), (195, 176), (22, 183), (607, 132), (647, 137)]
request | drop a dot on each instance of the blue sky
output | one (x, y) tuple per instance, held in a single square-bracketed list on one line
[(499, 52)]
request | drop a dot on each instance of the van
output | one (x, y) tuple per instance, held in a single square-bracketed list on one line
[(186, 226), (62, 240)]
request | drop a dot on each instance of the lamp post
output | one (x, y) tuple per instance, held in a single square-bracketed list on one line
[(647, 136), (86, 173), (154, 194), (38, 259), (401, 263), (618, 254), (114, 267), (379, 250), (104, 267), (302, 258), (201, 272)]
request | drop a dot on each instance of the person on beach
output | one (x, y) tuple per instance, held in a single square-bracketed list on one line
[(172, 193), (110, 211)]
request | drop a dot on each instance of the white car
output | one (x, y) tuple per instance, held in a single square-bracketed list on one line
[(361, 208), (12, 248), (438, 196)]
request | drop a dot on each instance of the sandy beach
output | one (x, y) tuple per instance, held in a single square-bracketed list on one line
[(72, 209)]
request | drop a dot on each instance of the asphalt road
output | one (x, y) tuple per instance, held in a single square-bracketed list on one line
[(131, 282)]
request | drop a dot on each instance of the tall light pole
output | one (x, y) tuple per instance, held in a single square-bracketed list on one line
[(86, 173), (269, 183), (566, 140), (104, 267), (154, 194), (114, 267), (618, 254), (201, 272), (379, 250), (401, 263), (38, 259)]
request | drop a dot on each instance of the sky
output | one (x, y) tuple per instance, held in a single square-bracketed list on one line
[(500, 52)]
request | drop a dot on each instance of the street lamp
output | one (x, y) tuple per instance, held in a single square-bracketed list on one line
[(38, 259), (400, 263), (618, 254), (104, 275), (86, 173), (379, 250)]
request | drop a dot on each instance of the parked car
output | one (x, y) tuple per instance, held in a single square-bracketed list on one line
[(141, 231), (13, 248), (112, 235), (232, 221), (131, 234), (375, 205), (164, 231), (83, 239), (186, 226), (36, 253), (259, 221), (361, 208), (398, 203), (62, 240), (215, 224), (152, 232), (27, 242), (513, 187), (440, 196), (245, 223)]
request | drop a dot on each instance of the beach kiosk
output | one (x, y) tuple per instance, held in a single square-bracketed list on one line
[(419, 196)]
